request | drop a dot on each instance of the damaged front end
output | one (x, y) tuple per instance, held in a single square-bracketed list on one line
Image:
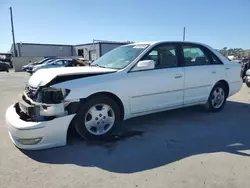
[(44, 104)]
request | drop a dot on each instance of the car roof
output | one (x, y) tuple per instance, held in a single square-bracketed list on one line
[(60, 59), (153, 43), (159, 42)]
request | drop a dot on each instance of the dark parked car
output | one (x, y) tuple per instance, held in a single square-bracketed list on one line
[(245, 65), (6, 58), (4, 66), (54, 63)]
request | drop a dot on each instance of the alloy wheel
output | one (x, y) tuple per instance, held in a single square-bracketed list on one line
[(99, 119), (218, 97)]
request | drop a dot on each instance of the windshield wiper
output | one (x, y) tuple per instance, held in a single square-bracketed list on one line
[(95, 65)]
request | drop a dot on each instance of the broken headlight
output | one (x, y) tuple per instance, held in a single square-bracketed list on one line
[(52, 95)]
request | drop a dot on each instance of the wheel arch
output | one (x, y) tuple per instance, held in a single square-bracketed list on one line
[(71, 129), (225, 83)]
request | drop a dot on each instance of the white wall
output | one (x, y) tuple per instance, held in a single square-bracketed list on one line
[(87, 49), (18, 62), (26, 49)]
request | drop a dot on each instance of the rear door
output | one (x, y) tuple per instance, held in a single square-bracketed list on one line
[(199, 73)]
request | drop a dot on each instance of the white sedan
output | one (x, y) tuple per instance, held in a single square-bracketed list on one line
[(129, 81), (247, 79)]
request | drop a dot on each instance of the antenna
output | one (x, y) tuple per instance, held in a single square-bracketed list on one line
[(184, 33)]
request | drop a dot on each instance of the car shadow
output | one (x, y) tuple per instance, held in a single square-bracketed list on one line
[(156, 140)]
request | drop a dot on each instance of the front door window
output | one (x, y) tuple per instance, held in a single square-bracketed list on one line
[(164, 56)]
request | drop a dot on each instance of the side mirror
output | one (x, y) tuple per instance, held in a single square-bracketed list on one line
[(144, 65)]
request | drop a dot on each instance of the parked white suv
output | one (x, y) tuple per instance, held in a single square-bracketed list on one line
[(129, 81)]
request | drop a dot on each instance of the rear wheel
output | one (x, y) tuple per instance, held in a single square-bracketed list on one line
[(217, 98), (97, 118)]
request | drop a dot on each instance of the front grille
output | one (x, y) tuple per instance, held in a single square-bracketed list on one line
[(30, 92)]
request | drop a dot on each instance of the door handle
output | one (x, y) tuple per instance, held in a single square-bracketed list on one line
[(227, 68), (214, 72), (178, 76)]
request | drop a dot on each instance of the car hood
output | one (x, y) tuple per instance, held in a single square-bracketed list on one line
[(26, 66), (44, 76)]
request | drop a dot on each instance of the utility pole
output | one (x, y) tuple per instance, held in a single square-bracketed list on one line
[(184, 33), (13, 34)]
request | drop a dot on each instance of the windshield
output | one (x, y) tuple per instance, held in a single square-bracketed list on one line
[(49, 61), (43, 61), (120, 57), (40, 62)]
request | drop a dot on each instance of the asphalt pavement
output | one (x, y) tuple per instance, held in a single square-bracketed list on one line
[(180, 148)]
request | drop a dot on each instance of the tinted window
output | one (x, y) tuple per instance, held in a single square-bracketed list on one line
[(67, 62), (164, 56), (49, 61), (215, 59), (194, 56), (80, 52), (43, 61), (61, 62)]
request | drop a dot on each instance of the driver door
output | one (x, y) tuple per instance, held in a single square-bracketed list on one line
[(160, 88)]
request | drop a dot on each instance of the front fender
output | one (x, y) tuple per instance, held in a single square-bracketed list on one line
[(82, 90)]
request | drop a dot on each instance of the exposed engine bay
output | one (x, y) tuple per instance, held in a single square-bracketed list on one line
[(44, 104)]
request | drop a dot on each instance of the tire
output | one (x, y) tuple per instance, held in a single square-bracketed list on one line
[(101, 124), (217, 104), (247, 83)]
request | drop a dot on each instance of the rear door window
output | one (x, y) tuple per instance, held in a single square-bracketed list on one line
[(194, 56)]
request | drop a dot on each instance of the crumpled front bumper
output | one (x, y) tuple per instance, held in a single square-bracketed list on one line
[(53, 132)]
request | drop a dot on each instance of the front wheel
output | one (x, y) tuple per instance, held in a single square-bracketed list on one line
[(247, 83), (217, 98), (97, 118)]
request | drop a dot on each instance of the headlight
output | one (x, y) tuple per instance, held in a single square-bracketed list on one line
[(52, 95)]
